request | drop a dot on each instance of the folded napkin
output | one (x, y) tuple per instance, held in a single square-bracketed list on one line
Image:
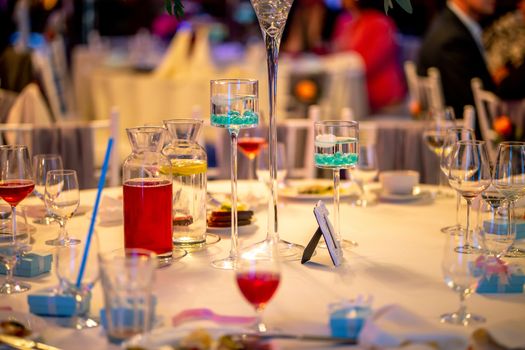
[(110, 212), (395, 326)]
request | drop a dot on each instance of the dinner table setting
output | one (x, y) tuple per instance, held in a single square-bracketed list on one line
[(358, 258)]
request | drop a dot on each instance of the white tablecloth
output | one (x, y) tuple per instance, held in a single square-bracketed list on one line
[(398, 261)]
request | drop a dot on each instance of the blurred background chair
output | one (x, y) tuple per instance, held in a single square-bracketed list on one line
[(487, 105), (427, 91)]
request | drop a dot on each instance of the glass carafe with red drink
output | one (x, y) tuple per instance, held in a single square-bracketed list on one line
[(148, 193), (188, 167)]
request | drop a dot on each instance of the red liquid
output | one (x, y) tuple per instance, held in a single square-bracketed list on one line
[(147, 215), (258, 287), (14, 191), (251, 146)]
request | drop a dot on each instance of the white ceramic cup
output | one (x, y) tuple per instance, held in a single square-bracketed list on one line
[(399, 181)]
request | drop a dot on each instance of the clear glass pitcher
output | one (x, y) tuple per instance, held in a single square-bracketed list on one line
[(188, 166), (148, 192)]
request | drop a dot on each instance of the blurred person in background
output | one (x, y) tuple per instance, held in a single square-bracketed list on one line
[(504, 42), (454, 46), (306, 21), (366, 30)]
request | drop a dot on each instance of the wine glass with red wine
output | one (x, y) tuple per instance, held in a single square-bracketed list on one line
[(250, 143), (258, 276), (16, 183)]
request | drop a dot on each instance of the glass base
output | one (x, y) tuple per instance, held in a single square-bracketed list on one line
[(287, 251), (457, 230), (167, 259), (61, 242), (466, 319), (224, 264), (14, 287), (210, 239), (78, 322), (347, 244), (468, 249), (46, 220), (515, 253)]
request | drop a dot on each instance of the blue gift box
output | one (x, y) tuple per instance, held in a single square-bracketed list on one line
[(348, 320), (47, 302), (499, 226), (127, 314), (491, 284), (31, 265)]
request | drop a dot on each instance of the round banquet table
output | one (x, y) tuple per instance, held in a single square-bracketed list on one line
[(398, 261)]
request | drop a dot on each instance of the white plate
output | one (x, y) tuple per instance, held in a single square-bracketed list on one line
[(33, 323), (169, 336), (292, 191), (245, 229), (417, 195)]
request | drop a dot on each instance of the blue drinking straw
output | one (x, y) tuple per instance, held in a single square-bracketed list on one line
[(101, 183)]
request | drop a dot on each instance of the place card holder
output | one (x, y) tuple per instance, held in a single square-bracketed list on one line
[(325, 230)]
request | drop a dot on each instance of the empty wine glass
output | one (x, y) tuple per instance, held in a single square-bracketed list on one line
[(496, 231), (16, 183), (462, 273), (42, 163), (258, 278), (434, 133), (62, 198), (469, 174), (509, 179), (68, 260), (452, 136), (336, 148), (365, 171), (250, 143), (234, 106), (263, 168)]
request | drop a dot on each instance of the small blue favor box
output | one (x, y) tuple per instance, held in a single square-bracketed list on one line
[(347, 321), (31, 265), (48, 303), (492, 284)]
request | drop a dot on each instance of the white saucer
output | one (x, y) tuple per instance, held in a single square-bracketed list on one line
[(416, 195)]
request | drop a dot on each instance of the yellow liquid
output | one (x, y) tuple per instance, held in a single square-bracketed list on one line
[(186, 167)]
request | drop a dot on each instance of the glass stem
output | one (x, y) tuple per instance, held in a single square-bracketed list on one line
[(467, 228), (462, 312), (458, 204), (272, 53), (251, 169), (10, 264), (259, 324), (13, 222), (510, 222), (337, 180), (62, 234), (233, 164)]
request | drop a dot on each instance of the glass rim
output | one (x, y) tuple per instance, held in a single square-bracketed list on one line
[(334, 122), (183, 121), (227, 81), (13, 147), (147, 128), (62, 171), (511, 143), (47, 155), (462, 128), (140, 253), (471, 142)]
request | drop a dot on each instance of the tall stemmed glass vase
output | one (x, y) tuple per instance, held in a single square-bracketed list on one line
[(469, 174), (272, 16), (509, 179), (234, 106), (336, 148)]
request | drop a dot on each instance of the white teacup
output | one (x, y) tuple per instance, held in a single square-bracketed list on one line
[(399, 181)]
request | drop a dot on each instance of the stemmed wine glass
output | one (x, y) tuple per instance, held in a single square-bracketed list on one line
[(42, 163), (336, 148), (462, 273), (258, 278), (68, 259), (62, 198), (434, 135), (365, 171), (234, 106), (509, 179), (452, 136), (16, 183), (469, 174), (272, 16), (250, 142)]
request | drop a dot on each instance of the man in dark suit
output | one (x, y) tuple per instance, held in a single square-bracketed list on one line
[(453, 45)]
